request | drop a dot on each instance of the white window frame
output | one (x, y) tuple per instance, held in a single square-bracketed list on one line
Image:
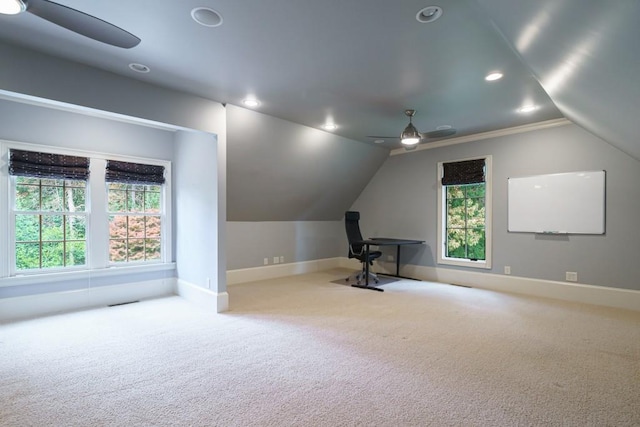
[(98, 263), (442, 215)]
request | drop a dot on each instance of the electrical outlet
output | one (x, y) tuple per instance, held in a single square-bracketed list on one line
[(571, 276), (266, 261), (507, 269), (208, 283), (281, 259), (276, 260)]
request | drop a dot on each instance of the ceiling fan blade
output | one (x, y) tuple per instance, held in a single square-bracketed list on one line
[(440, 133), (82, 23), (382, 137)]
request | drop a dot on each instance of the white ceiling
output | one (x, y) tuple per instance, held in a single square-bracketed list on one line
[(361, 63)]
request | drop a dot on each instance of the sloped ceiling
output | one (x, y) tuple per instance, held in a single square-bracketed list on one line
[(586, 56)]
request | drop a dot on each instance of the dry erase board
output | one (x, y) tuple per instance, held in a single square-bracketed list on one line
[(557, 203)]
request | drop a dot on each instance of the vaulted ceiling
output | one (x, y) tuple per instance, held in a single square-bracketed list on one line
[(360, 64)]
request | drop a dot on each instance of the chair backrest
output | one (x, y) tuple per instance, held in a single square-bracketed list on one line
[(352, 226)]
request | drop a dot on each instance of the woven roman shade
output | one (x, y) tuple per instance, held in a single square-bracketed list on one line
[(134, 173), (465, 172), (47, 165)]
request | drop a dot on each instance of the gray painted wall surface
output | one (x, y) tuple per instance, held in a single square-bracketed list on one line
[(248, 243), (400, 201), (281, 171), (196, 209)]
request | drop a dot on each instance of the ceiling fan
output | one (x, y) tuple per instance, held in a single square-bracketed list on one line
[(410, 137), (73, 20)]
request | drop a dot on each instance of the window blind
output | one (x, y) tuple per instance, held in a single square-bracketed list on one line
[(134, 173), (47, 165), (465, 172)]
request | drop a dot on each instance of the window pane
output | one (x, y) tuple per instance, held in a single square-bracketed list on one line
[(52, 199), (76, 253), (118, 226), (52, 182), (27, 255), (476, 244), (153, 226), (456, 243), (135, 200), (76, 227), (117, 250), (152, 249), (52, 227), (475, 213), (456, 213), (27, 198), (152, 202), (455, 192), (476, 190), (27, 228), (135, 250), (52, 254), (75, 183), (74, 199), (136, 227), (117, 201), (27, 180)]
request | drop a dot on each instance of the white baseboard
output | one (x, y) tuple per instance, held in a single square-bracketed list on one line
[(203, 298), (57, 302), (253, 274), (576, 292)]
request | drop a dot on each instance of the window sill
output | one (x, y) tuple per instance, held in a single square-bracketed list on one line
[(33, 279), (484, 264)]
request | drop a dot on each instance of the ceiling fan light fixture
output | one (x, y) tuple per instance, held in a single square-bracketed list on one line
[(410, 135), (12, 7)]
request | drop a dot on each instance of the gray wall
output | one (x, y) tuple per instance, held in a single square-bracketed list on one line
[(400, 201), (282, 171), (297, 241)]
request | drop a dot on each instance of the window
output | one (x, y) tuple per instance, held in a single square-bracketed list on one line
[(49, 210), (50, 223), (135, 222), (135, 214), (66, 213), (464, 213)]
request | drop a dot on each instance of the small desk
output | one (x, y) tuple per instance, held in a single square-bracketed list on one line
[(384, 241)]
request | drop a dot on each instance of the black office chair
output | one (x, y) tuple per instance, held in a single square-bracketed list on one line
[(356, 247)]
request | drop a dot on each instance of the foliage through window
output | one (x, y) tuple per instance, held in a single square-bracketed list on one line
[(134, 222), (465, 221), (50, 223)]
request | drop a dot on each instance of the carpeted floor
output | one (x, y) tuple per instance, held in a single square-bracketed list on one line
[(303, 351)]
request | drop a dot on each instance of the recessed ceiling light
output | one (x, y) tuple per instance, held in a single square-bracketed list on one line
[(206, 16), (429, 14), (12, 7), (379, 141), (527, 108), (444, 127), (329, 126), (139, 68), (250, 102), (494, 75)]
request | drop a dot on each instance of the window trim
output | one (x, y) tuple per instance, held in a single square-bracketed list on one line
[(97, 245), (441, 225)]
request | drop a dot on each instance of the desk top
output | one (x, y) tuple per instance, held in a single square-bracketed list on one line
[(389, 241)]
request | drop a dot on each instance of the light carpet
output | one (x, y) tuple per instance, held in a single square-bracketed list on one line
[(302, 351)]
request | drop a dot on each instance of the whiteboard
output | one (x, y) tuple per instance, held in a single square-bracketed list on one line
[(557, 203)]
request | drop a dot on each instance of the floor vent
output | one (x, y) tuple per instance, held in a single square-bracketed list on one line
[(461, 286), (123, 303)]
